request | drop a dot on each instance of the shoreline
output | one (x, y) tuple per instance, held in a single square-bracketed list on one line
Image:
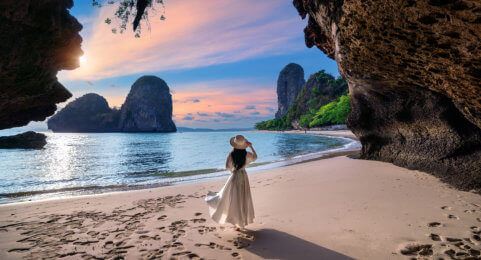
[(331, 133), (32, 196), (336, 208)]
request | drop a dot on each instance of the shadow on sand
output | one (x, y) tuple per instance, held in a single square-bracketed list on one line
[(273, 244)]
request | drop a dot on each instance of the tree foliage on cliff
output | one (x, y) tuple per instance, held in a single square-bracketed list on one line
[(131, 11), (324, 100)]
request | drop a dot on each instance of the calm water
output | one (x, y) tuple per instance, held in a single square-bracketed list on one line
[(87, 163)]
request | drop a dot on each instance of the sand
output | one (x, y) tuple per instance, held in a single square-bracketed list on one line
[(337, 208)]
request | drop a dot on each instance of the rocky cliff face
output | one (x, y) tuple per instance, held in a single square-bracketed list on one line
[(414, 75), (89, 113), (320, 89), (38, 38), (148, 107), (289, 84)]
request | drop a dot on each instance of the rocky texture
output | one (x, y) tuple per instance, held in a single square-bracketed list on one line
[(27, 140), (148, 107), (289, 84), (89, 113), (414, 75), (320, 89), (37, 39)]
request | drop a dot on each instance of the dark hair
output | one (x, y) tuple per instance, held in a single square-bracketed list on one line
[(238, 158)]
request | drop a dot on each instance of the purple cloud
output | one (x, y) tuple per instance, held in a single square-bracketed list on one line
[(224, 114)]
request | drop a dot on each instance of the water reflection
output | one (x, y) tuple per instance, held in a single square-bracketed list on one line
[(82, 161)]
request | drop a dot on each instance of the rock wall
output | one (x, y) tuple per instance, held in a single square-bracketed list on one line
[(148, 107), (289, 84), (37, 39), (414, 75)]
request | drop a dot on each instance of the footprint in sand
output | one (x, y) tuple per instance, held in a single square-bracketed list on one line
[(446, 208), (23, 249), (435, 237), (198, 220), (163, 217), (197, 214), (415, 249), (434, 224), (452, 217)]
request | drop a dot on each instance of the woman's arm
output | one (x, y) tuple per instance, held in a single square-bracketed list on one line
[(228, 162), (254, 154)]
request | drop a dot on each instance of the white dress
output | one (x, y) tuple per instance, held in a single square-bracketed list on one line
[(233, 203)]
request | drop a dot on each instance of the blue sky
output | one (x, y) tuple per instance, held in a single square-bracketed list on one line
[(226, 55)]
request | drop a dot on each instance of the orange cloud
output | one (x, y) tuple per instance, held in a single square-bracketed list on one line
[(195, 33)]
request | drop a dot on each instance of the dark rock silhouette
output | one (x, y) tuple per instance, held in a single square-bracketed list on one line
[(289, 84), (148, 107), (414, 75), (27, 140), (38, 38), (89, 113)]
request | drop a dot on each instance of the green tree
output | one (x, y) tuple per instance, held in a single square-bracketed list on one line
[(131, 11)]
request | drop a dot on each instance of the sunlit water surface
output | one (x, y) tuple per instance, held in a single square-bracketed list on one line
[(73, 163)]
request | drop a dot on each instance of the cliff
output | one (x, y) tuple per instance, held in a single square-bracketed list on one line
[(414, 75), (320, 89), (89, 113), (148, 107), (322, 101), (289, 84), (38, 38)]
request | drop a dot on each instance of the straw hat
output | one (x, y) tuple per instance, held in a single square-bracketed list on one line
[(238, 142)]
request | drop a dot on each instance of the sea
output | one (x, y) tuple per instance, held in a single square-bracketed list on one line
[(88, 163)]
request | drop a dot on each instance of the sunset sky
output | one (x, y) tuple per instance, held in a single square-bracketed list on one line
[(220, 58)]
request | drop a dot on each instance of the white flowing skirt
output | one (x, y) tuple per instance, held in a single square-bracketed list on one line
[(233, 203)]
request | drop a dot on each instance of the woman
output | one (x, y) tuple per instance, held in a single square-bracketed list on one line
[(233, 203)]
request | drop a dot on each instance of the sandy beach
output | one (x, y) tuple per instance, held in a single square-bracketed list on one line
[(337, 208)]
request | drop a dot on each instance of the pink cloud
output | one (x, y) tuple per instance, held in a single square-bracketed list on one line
[(225, 96), (195, 33)]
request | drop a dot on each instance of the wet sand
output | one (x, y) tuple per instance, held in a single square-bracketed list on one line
[(336, 208)]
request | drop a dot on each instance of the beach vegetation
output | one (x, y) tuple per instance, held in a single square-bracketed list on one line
[(324, 100)]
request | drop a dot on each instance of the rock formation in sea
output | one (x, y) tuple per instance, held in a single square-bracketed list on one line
[(320, 89), (27, 140), (88, 113), (289, 84), (414, 75), (148, 107), (38, 38)]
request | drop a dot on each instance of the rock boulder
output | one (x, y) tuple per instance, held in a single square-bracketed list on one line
[(27, 140)]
